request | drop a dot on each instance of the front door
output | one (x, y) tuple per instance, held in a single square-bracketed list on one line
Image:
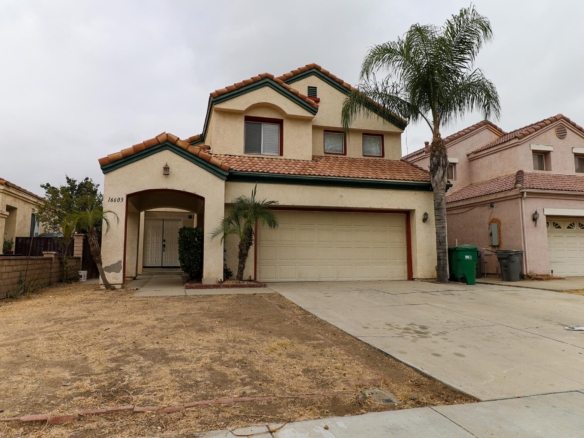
[(161, 243)]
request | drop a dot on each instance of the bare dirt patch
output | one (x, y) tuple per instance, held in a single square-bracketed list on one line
[(75, 347), (573, 292)]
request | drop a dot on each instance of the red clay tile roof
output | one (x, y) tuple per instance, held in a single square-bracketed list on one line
[(259, 77), (199, 151), (307, 67), (459, 134), (527, 130), (520, 180), (6, 183), (335, 167)]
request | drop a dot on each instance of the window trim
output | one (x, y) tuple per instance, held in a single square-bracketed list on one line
[(453, 171), (576, 158), (382, 145), (265, 120), (543, 155), (344, 142)]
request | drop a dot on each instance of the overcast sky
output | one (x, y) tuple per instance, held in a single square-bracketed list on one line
[(82, 79)]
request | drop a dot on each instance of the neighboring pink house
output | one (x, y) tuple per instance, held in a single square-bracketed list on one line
[(518, 190)]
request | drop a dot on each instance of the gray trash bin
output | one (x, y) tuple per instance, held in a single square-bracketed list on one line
[(511, 262)]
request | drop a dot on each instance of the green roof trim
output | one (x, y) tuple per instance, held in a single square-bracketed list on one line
[(166, 146), (270, 178), (344, 90)]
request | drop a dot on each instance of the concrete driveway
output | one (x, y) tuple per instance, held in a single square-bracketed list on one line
[(490, 341)]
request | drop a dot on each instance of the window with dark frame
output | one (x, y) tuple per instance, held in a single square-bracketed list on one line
[(373, 145), (538, 162), (263, 137), (579, 161), (334, 142), (451, 172)]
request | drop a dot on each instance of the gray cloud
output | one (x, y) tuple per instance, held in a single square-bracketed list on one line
[(82, 79)]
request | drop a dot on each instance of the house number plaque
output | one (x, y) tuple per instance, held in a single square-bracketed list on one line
[(115, 199)]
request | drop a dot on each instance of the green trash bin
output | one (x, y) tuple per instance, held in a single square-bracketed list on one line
[(462, 261)]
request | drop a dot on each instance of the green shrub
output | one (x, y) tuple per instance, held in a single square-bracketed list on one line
[(190, 251), (7, 245)]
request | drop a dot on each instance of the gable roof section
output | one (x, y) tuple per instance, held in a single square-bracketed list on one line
[(528, 130), (520, 180), (197, 154), (471, 129), (6, 183), (338, 84), (333, 167)]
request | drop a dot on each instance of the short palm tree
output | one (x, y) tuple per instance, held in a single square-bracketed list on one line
[(430, 78), (90, 220), (241, 220)]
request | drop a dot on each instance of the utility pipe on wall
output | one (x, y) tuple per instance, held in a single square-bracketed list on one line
[(523, 233)]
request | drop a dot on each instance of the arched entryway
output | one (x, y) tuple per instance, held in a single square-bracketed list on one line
[(153, 218)]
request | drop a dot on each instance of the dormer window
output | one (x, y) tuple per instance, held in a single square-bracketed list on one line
[(263, 136)]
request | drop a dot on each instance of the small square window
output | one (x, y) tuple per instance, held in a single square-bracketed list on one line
[(579, 164), (372, 145), (538, 162), (451, 172), (334, 142)]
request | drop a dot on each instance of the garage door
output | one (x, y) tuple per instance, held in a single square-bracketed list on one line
[(566, 246), (331, 246)]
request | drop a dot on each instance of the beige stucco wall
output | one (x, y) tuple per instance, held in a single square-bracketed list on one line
[(423, 234), (469, 224), (459, 149), (146, 174), (16, 208)]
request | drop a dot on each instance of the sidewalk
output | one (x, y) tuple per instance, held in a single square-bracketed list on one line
[(553, 415), (570, 283)]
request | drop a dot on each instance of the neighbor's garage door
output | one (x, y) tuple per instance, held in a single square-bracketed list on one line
[(566, 246), (329, 246)]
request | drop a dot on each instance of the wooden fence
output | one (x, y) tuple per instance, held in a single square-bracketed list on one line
[(39, 245)]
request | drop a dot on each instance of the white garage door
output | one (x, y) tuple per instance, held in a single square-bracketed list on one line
[(330, 246), (566, 246)]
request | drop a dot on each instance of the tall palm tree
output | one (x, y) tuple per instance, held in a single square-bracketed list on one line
[(430, 78), (90, 220), (241, 220)]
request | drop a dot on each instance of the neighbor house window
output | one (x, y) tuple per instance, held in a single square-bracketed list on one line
[(372, 145), (579, 164), (538, 162), (334, 142), (263, 136), (451, 172)]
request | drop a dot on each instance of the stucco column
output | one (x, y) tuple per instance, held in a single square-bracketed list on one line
[(3, 216), (213, 250), (140, 266), (132, 237), (112, 239)]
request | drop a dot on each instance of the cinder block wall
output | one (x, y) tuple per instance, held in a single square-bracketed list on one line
[(42, 271)]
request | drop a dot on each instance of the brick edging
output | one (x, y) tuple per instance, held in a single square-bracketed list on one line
[(67, 418), (224, 285)]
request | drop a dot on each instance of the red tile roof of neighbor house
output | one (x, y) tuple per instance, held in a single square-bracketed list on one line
[(199, 151), (519, 180), (335, 167), (527, 130), (6, 183), (458, 135)]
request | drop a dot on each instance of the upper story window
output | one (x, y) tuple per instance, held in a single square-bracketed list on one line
[(373, 145), (539, 162), (451, 172), (334, 143), (579, 161), (263, 136)]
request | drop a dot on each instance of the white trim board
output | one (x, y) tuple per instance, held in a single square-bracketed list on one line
[(578, 150), (452, 160), (563, 212), (541, 148)]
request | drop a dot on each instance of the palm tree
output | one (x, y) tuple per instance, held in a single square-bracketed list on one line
[(430, 78), (241, 220), (90, 220)]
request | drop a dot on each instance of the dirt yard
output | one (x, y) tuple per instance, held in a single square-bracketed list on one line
[(72, 348)]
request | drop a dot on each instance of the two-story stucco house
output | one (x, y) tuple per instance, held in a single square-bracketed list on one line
[(17, 212), (348, 207), (518, 190)]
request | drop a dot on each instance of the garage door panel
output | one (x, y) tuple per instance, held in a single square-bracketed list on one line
[(323, 246), (566, 246)]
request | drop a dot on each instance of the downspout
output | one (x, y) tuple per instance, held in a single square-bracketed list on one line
[(523, 233)]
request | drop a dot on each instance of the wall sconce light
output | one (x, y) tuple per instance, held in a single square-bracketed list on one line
[(425, 217), (535, 217), (166, 170)]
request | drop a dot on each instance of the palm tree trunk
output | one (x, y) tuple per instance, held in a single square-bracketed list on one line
[(244, 246), (438, 168), (96, 256)]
